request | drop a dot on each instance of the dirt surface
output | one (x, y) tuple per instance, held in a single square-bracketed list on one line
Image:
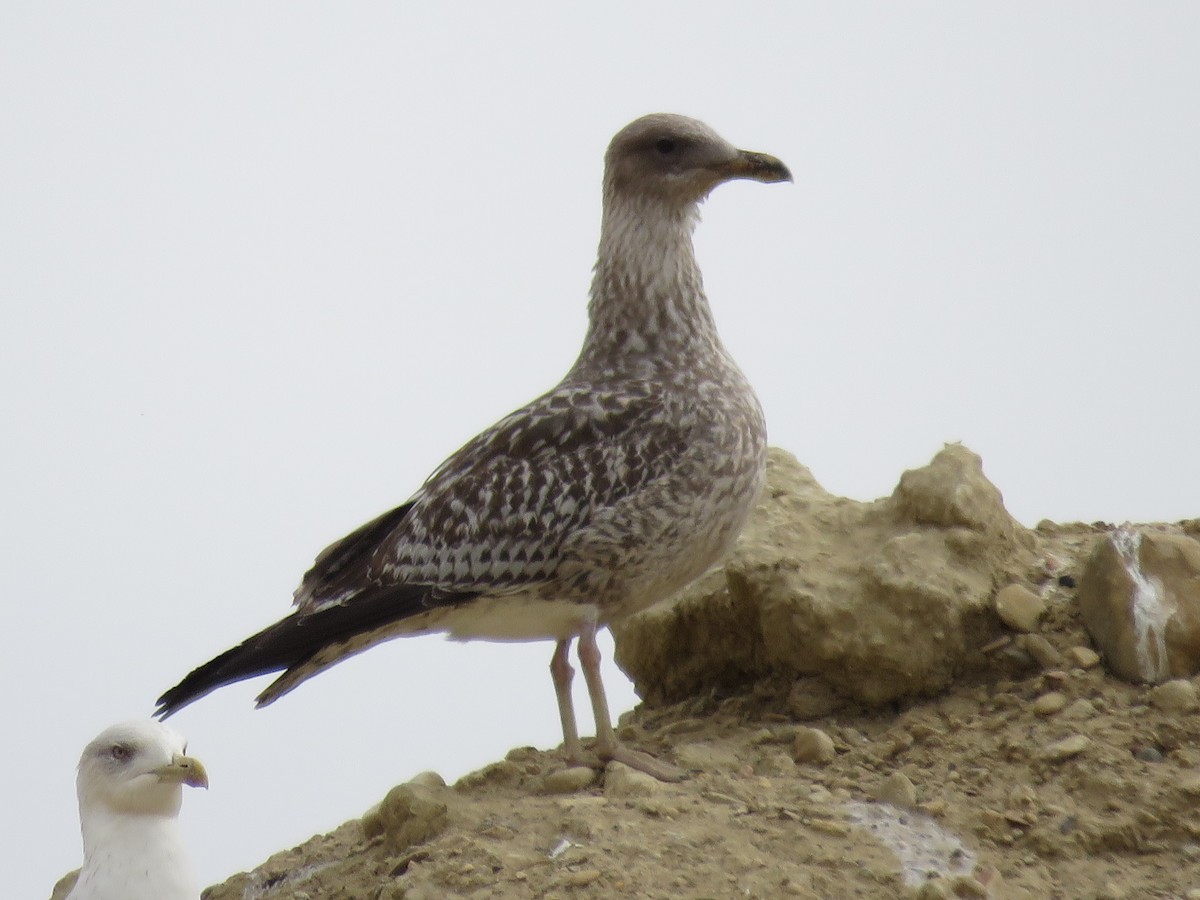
[(894, 699), (1058, 781)]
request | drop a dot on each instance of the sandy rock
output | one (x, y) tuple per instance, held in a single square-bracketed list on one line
[(1139, 597), (1049, 704), (1019, 608), (1066, 748), (428, 779), (1178, 696), (883, 600), (568, 781), (812, 745), (1081, 709), (409, 814), (1116, 819), (898, 790), (620, 782), (1042, 651), (1083, 657)]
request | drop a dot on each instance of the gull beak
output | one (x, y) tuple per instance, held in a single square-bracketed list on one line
[(754, 166), (184, 770)]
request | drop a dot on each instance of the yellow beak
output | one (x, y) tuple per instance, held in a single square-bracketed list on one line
[(184, 770)]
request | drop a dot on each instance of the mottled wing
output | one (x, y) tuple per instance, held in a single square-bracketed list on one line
[(494, 517)]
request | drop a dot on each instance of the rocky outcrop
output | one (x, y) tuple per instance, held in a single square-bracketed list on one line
[(882, 600), (1040, 766), (1139, 597)]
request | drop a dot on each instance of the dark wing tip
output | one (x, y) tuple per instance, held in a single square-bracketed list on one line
[(295, 640)]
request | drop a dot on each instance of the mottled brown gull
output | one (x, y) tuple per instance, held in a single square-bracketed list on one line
[(596, 500)]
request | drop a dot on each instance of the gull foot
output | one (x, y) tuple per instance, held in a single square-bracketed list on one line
[(643, 762)]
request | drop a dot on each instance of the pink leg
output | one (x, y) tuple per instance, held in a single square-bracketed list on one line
[(562, 673), (607, 746)]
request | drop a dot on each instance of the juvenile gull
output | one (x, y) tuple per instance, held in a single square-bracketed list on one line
[(598, 499), (130, 787)]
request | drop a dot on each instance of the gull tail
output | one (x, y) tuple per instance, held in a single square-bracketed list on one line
[(306, 643)]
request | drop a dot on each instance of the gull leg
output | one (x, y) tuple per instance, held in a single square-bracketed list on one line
[(607, 745), (562, 673)]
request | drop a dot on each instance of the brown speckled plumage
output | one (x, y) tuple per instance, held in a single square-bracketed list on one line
[(596, 500)]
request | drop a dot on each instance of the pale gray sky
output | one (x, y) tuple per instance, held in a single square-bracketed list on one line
[(265, 265)]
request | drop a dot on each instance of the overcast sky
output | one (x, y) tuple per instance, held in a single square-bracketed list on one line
[(264, 265)]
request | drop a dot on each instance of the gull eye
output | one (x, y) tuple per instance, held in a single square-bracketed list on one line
[(665, 146), (120, 752)]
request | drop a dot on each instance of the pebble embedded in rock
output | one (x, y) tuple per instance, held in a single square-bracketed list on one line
[(1149, 754), (706, 758), (1177, 696), (1066, 748), (898, 790), (568, 781), (581, 878), (812, 745), (428, 778), (1049, 704), (1084, 657), (621, 781), (1042, 651), (412, 813), (1081, 709), (1019, 608)]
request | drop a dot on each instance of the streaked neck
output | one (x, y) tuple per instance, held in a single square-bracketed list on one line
[(647, 299)]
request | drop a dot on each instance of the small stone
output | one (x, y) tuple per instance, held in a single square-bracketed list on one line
[(620, 781), (705, 758), (829, 826), (1176, 696), (1019, 608), (428, 779), (1147, 753), (774, 764), (1081, 709), (412, 813), (499, 832), (568, 781), (1042, 651), (1049, 704), (1084, 657), (898, 790), (993, 822), (1066, 748), (372, 822), (812, 745), (581, 878)]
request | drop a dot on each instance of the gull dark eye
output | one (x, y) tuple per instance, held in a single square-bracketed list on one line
[(665, 146), (120, 752)]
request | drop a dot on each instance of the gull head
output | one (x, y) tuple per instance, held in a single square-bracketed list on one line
[(678, 161), (137, 768)]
